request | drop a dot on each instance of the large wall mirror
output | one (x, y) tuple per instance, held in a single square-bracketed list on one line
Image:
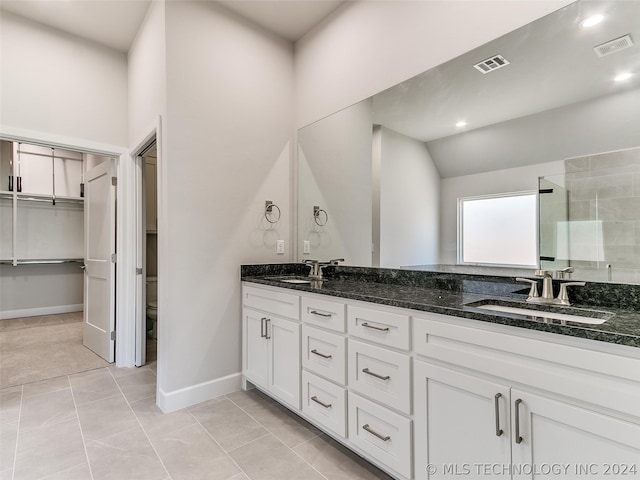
[(522, 153)]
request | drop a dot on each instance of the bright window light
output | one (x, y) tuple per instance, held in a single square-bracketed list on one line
[(498, 229), (461, 123)]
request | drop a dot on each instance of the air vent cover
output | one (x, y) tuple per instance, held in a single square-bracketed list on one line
[(613, 46), (491, 64)]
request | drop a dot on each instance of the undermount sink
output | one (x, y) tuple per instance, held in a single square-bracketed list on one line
[(575, 315), (294, 280)]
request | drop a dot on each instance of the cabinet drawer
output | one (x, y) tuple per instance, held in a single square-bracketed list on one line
[(324, 353), (323, 313), (384, 435), (389, 329), (325, 402), (381, 374), (271, 301)]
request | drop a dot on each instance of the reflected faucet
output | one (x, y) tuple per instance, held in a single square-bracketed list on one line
[(560, 274)]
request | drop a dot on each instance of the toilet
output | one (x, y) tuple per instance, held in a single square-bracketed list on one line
[(152, 307)]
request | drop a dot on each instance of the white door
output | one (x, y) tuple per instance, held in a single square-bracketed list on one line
[(284, 360), (461, 421), (100, 247), (577, 442)]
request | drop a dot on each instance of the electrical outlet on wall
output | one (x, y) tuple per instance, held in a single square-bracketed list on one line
[(280, 247), (306, 246)]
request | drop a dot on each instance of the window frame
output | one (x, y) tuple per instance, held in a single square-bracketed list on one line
[(460, 232)]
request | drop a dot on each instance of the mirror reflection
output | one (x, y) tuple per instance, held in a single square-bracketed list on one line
[(554, 100)]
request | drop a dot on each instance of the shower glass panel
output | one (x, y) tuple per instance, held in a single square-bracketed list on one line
[(590, 221)]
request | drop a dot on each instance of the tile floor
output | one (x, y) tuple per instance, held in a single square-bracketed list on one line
[(104, 424)]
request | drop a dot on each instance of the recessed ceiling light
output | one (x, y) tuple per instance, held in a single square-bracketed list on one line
[(592, 20), (461, 124), (623, 76)]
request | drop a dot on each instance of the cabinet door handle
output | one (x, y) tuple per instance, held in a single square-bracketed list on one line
[(373, 327), (384, 438), (263, 334), (377, 375), (316, 352), (517, 405), (266, 330), (496, 403), (320, 314), (319, 402)]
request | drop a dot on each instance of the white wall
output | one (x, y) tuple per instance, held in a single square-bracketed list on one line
[(228, 128), (500, 181), (409, 202), (147, 74), (334, 173), (366, 47), (56, 83)]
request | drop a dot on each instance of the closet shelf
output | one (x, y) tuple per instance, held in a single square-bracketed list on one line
[(43, 261)]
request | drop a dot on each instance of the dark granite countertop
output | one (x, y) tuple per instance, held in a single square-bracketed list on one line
[(452, 294)]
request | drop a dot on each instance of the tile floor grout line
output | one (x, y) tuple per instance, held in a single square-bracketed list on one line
[(15, 450), (84, 442), (153, 447), (278, 438), (221, 447)]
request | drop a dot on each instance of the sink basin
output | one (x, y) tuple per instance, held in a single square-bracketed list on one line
[(293, 280), (296, 280), (574, 315)]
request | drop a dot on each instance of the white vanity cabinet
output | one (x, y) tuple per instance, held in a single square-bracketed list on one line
[(271, 342), (505, 400), (407, 389)]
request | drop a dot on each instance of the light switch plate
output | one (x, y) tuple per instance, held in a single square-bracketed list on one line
[(306, 246), (280, 247)]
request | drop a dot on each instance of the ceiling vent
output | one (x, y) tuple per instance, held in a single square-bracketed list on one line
[(613, 46), (491, 64)]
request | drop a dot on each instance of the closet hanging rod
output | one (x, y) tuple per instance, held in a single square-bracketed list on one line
[(50, 261), (49, 199), (25, 152)]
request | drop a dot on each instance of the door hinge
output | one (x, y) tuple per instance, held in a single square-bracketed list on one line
[(113, 258), (138, 271), (113, 335), (114, 181)]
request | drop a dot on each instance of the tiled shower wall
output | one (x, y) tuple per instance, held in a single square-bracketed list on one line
[(606, 187)]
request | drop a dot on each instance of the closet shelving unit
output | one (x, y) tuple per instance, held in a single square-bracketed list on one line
[(34, 237)]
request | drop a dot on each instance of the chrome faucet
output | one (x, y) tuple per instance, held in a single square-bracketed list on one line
[(315, 271), (547, 289)]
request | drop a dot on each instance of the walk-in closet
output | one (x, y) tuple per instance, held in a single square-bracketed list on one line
[(42, 261)]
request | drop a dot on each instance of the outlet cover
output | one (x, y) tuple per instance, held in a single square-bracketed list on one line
[(280, 247), (306, 246)]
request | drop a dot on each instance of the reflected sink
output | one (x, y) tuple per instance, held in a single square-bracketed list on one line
[(567, 314)]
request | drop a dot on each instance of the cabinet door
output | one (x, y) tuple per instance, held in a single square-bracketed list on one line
[(580, 442), (284, 360), (255, 347), (460, 421)]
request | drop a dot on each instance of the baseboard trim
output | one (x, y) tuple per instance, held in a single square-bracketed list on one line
[(35, 312), (185, 397)]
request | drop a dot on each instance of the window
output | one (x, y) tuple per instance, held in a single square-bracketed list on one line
[(498, 229)]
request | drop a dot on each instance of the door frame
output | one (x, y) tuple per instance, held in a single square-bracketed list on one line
[(125, 232)]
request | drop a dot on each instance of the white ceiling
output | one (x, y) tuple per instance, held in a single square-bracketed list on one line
[(114, 23)]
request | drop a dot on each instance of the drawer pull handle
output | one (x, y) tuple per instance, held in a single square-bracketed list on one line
[(315, 352), (384, 438), (319, 402), (320, 314), (517, 405), (496, 402), (377, 375), (266, 330), (380, 329)]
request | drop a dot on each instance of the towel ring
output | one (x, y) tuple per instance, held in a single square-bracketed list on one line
[(268, 211), (317, 212)]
